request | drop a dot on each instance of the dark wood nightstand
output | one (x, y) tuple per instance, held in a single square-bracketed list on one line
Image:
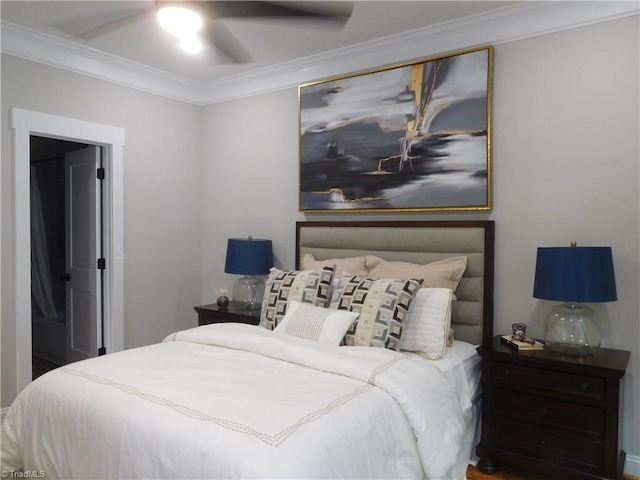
[(550, 413), (214, 314)]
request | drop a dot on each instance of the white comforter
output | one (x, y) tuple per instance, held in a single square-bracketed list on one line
[(236, 401)]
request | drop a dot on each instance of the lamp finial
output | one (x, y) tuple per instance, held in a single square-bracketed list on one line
[(573, 244)]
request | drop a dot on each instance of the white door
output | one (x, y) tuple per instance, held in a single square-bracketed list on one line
[(83, 276)]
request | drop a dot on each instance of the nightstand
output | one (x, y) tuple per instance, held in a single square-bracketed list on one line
[(213, 314), (550, 413)]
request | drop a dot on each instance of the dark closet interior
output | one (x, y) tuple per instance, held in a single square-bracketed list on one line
[(49, 329)]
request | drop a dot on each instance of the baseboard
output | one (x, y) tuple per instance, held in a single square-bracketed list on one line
[(632, 467)]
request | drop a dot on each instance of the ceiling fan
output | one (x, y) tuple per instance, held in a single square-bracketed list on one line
[(199, 22)]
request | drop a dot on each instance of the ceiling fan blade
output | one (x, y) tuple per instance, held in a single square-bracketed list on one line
[(221, 38), (214, 32), (113, 25), (337, 11)]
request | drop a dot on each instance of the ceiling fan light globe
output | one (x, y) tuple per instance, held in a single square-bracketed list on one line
[(190, 44), (180, 22)]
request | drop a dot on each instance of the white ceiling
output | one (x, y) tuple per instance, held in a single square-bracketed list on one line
[(269, 42), (285, 54)]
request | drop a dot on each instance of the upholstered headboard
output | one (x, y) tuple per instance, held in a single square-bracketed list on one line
[(418, 242)]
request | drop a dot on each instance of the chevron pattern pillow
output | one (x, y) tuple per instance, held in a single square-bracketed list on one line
[(305, 286), (383, 304)]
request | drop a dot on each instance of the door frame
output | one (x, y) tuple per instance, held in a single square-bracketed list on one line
[(25, 123)]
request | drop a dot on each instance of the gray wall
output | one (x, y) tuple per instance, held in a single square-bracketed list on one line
[(162, 197), (565, 158), (565, 165)]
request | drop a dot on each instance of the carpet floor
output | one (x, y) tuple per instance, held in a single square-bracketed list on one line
[(41, 366)]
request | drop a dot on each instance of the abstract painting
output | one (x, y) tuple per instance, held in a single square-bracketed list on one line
[(411, 137)]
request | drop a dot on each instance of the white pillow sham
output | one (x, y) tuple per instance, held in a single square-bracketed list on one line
[(319, 324), (426, 327), (444, 273)]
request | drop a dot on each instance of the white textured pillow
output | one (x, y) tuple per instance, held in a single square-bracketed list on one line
[(426, 328), (319, 324)]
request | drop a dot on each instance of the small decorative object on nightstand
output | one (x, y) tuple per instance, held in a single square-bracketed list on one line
[(223, 300), (574, 274), (519, 329), (233, 313), (551, 414)]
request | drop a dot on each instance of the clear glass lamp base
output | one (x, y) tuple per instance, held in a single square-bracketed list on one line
[(572, 329), (248, 292)]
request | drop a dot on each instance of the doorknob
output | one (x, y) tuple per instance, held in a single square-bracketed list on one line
[(65, 278)]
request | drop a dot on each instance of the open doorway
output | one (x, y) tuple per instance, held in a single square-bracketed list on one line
[(110, 141), (66, 235)]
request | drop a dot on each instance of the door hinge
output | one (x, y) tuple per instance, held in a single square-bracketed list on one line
[(101, 173), (101, 264)]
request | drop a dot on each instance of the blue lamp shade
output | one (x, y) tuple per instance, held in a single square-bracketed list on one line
[(575, 274), (247, 256)]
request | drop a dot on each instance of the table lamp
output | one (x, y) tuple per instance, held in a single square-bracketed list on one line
[(248, 257), (572, 275)]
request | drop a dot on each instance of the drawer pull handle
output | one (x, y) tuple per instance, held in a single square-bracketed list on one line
[(507, 373), (542, 444), (543, 413), (584, 386)]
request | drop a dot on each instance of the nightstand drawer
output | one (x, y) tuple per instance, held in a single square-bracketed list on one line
[(507, 375), (552, 415), (207, 319), (548, 446), (212, 313)]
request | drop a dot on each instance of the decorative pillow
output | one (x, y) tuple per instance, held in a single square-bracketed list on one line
[(319, 324), (441, 274), (426, 328), (353, 265), (306, 286), (383, 305)]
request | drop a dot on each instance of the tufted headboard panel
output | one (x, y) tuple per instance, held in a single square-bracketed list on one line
[(418, 242)]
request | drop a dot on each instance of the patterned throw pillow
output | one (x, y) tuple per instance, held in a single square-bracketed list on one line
[(305, 286), (382, 304), (318, 324)]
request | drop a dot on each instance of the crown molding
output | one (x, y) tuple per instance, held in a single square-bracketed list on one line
[(504, 25), (40, 47)]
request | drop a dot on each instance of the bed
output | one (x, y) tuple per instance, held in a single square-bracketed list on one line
[(307, 399)]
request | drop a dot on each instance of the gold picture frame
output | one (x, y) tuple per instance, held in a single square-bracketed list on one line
[(409, 137)]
